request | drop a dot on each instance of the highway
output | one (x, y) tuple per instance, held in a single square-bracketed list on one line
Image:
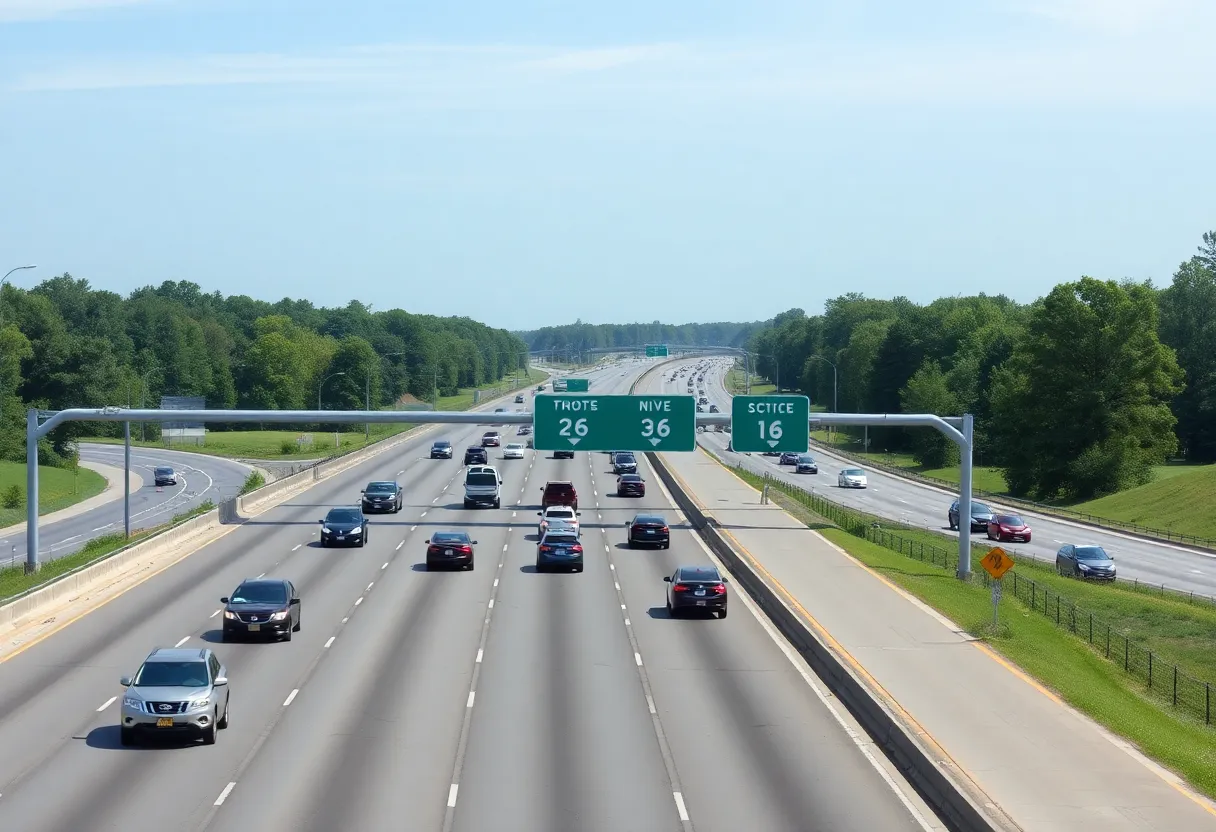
[(917, 504), (200, 478), (495, 699)]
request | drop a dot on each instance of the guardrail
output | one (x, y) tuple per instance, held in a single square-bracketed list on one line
[(1163, 680)]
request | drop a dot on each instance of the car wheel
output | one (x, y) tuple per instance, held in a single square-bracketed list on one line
[(126, 737), (210, 732), (287, 634), (466, 504), (497, 503), (667, 545), (722, 613), (223, 723), (324, 543), (362, 541), (470, 566), (299, 624)]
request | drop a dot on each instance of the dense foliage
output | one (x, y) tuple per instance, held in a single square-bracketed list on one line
[(580, 339), (1075, 395), (65, 344)]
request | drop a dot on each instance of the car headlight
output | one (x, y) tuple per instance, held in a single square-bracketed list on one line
[(195, 704), (230, 615), (279, 616), (1083, 567), (132, 702), (325, 530), (356, 531)]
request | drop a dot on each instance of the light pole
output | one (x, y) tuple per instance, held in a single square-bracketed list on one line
[(322, 384), (833, 366), (4, 281)]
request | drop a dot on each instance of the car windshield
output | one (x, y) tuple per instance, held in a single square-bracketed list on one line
[(443, 444), (559, 512), (1091, 553), (631, 478), (192, 674), (481, 478), (259, 594), (562, 539), (1010, 520), (381, 488), (854, 472), (625, 458), (449, 537), (343, 515), (805, 458), (980, 508), (514, 446), (163, 470), (699, 573)]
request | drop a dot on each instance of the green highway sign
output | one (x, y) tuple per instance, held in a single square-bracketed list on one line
[(577, 385), (614, 423), (770, 423), (656, 350)]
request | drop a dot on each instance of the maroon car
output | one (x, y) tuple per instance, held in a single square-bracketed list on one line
[(1008, 527)]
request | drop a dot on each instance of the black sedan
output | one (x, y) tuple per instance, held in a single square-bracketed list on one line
[(382, 496), (262, 607), (648, 530), (441, 450), (630, 485), (164, 475), (1090, 563), (450, 550), (344, 527), (559, 549), (696, 588), (806, 465), (788, 458), (476, 455)]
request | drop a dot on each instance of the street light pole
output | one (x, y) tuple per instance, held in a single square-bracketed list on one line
[(322, 384), (4, 281)]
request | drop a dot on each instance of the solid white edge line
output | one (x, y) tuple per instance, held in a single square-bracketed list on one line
[(183, 641), (290, 697), (331, 640), (452, 795), (219, 801), (107, 704), (680, 805), (650, 704)]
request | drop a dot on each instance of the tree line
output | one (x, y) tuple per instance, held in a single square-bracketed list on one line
[(1075, 395), (65, 344), (582, 339)]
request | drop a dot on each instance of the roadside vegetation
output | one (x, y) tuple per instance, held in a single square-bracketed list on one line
[(58, 488)]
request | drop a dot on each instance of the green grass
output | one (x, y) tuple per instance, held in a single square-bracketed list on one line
[(736, 384), (285, 445), (58, 488), (14, 581), (1180, 498), (1057, 659)]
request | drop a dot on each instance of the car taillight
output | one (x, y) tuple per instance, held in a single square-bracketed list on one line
[(544, 548), (679, 588), (665, 529), (466, 550), (720, 588), (576, 548)]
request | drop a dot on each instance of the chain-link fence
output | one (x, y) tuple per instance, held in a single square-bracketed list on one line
[(1161, 679)]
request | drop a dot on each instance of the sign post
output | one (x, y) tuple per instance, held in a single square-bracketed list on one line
[(996, 563), (615, 423), (759, 424)]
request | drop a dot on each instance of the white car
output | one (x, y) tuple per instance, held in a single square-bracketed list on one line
[(555, 517), (851, 478), (514, 450)]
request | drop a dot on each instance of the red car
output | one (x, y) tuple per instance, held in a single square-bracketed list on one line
[(1008, 527)]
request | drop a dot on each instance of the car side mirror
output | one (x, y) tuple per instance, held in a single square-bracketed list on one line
[(125, 681), (362, 491), (628, 523), (427, 541), (578, 514), (539, 513), (475, 543), (295, 600), (224, 600), (220, 680), (667, 578)]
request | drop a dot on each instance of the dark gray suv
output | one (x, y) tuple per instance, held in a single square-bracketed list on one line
[(176, 692), (980, 515)]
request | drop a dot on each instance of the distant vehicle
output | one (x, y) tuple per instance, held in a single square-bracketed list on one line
[(513, 450), (555, 517), (382, 496), (1089, 562), (344, 526), (164, 475), (476, 455), (441, 450), (788, 458), (624, 463), (696, 588), (648, 530), (630, 485), (700, 408), (713, 408), (523, 430), (560, 549), (176, 691), (981, 515), (262, 606), (519, 399), (702, 400), (563, 454), (450, 550), (482, 487), (1008, 527), (491, 439), (851, 478), (540, 388), (559, 493), (805, 464)]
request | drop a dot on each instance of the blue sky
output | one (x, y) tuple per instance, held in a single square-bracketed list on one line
[(538, 161)]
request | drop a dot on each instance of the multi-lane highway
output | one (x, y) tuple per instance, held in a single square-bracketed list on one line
[(200, 478), (914, 503), (495, 699)]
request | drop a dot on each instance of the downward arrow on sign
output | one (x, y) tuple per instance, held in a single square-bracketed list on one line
[(573, 441), (654, 441), (772, 443)]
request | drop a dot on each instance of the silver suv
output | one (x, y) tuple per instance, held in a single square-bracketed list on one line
[(177, 692)]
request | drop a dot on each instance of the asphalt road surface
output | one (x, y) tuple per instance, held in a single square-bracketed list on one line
[(200, 478), (910, 502), (497, 699)]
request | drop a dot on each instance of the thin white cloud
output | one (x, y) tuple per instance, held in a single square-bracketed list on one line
[(13, 11), (592, 60)]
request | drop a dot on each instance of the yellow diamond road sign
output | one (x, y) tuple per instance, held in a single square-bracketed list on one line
[(997, 562)]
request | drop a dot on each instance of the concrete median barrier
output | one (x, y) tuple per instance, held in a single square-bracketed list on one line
[(961, 806)]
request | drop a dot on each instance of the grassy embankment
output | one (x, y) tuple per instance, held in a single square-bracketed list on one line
[(58, 488), (284, 445), (1179, 632)]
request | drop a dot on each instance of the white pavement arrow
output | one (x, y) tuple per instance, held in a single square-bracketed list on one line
[(654, 441), (772, 443)]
